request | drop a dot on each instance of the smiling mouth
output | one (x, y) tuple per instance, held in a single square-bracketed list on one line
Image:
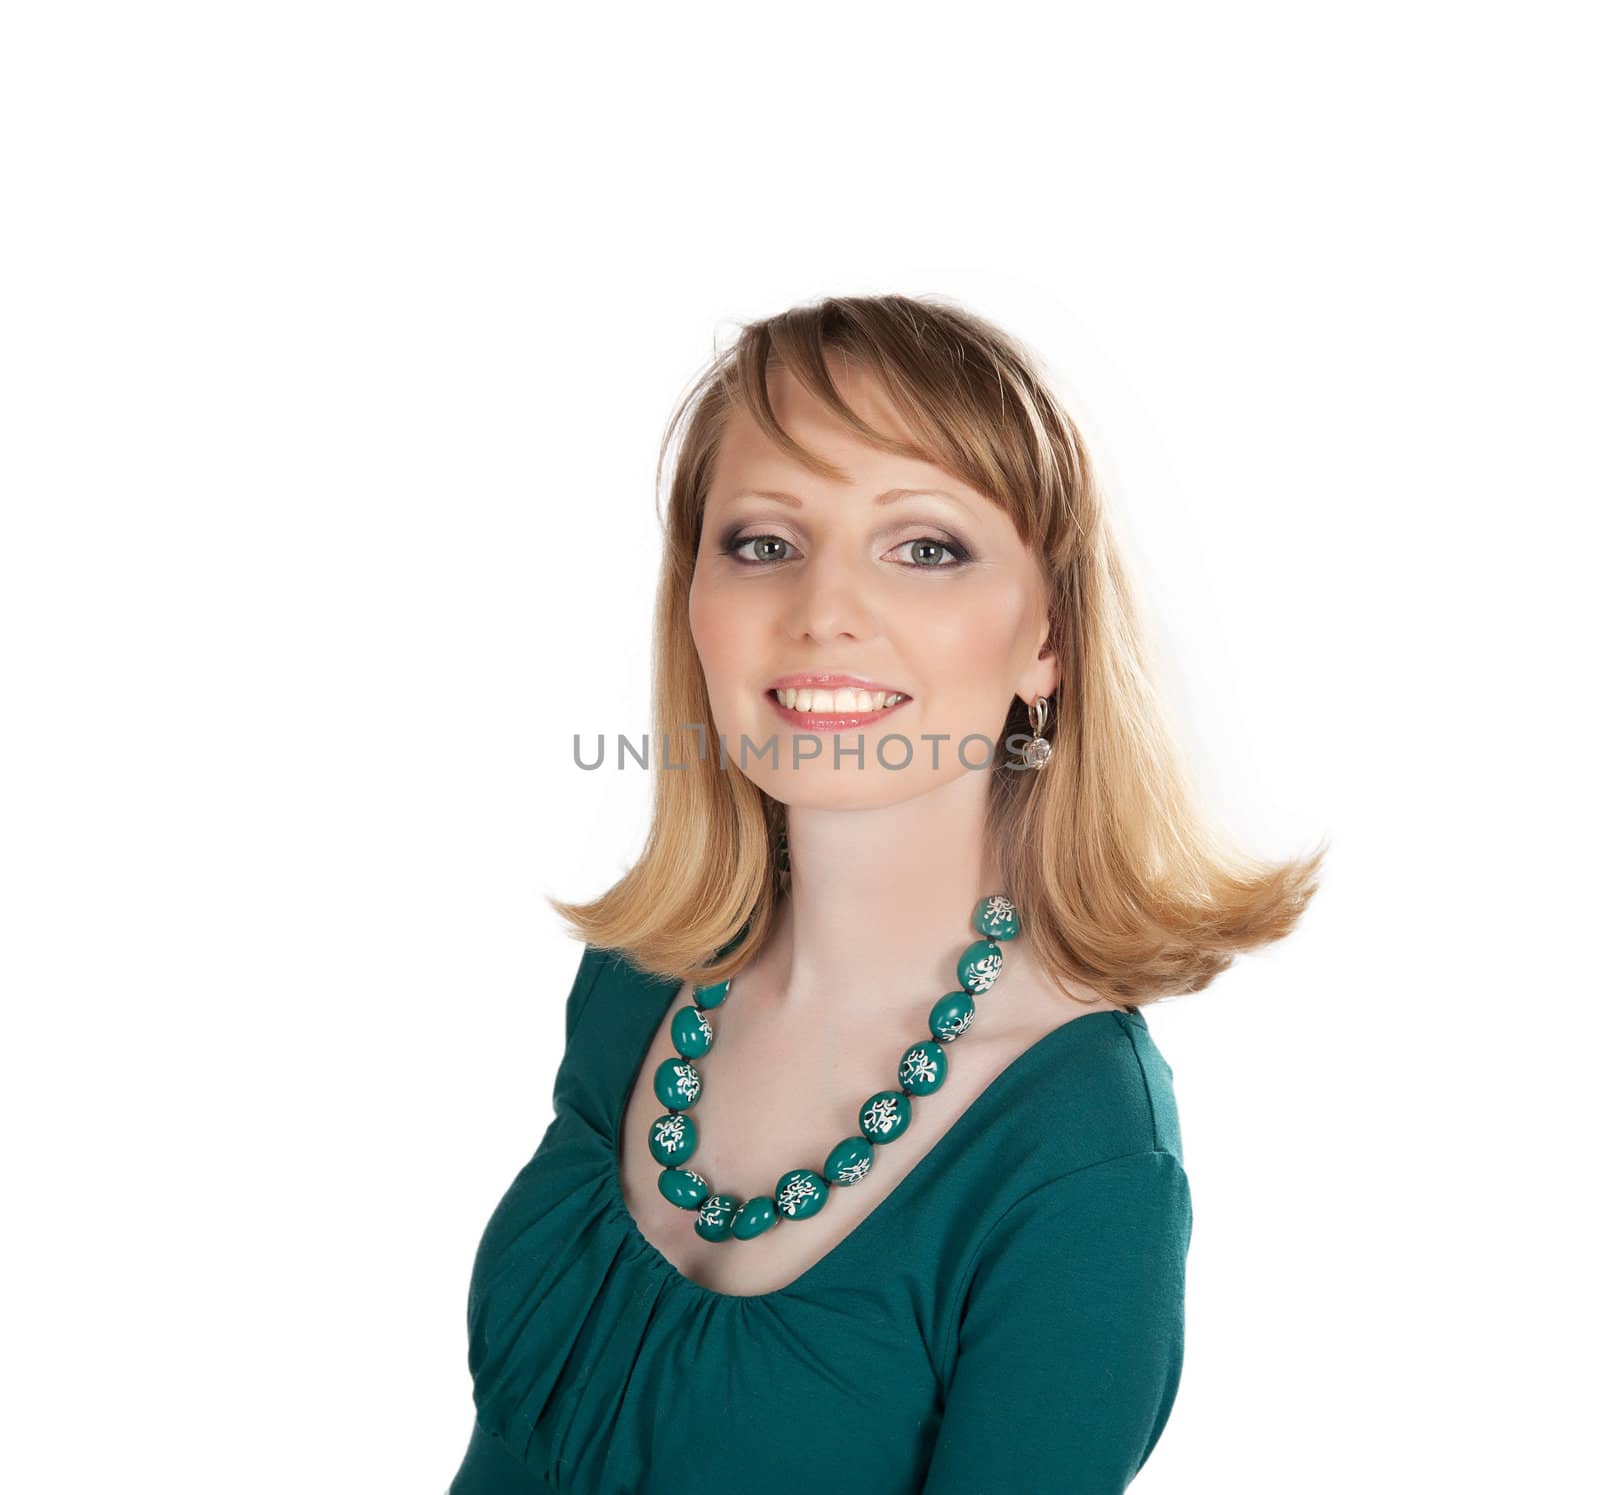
[(833, 714)]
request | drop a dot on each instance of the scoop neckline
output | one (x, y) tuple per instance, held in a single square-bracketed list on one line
[(984, 1101)]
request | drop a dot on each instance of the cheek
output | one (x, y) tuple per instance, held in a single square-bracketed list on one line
[(970, 648), (718, 637)]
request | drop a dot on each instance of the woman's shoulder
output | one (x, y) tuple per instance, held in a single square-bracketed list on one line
[(607, 976), (1098, 1156), (583, 983), (1095, 1088)]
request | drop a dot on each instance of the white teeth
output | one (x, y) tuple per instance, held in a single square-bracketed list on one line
[(838, 701)]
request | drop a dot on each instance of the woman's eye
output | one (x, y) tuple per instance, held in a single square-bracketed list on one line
[(925, 546), (924, 556), (763, 544)]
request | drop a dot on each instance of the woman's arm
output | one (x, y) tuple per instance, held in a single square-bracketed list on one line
[(1070, 1342)]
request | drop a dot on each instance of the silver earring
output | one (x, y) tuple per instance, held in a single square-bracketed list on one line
[(1037, 753)]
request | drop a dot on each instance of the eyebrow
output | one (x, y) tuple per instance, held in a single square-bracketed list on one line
[(892, 495)]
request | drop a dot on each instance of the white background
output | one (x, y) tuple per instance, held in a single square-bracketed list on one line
[(337, 343)]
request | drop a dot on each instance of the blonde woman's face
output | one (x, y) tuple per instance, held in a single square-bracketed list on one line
[(901, 576)]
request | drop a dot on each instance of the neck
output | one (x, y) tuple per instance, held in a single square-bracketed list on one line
[(881, 900)]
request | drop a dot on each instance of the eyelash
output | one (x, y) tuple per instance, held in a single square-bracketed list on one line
[(732, 545)]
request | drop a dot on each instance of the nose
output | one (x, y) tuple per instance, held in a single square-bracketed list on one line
[(830, 601)]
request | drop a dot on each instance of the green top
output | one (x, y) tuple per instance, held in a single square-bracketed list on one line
[(1008, 1318)]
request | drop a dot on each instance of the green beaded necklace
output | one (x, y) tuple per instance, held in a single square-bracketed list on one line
[(801, 1192)]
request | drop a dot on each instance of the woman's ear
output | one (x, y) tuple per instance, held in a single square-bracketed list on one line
[(1044, 675)]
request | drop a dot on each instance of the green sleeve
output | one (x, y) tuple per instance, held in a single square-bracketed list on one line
[(1070, 1342)]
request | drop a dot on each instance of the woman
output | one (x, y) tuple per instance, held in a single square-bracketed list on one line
[(923, 813)]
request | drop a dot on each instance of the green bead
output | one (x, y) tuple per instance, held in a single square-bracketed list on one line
[(715, 1220), (754, 1216), (800, 1193), (979, 966), (923, 1067), (673, 1138), (951, 1016), (849, 1162), (711, 996), (682, 1187), (884, 1116), (677, 1083), (997, 918), (691, 1032)]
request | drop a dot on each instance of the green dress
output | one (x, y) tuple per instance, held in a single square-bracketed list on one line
[(1007, 1319)]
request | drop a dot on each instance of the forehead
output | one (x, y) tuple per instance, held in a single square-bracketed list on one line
[(747, 457)]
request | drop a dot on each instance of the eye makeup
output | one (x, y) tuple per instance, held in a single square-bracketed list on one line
[(733, 541)]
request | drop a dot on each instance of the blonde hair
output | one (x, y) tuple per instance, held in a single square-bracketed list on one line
[(1119, 881)]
